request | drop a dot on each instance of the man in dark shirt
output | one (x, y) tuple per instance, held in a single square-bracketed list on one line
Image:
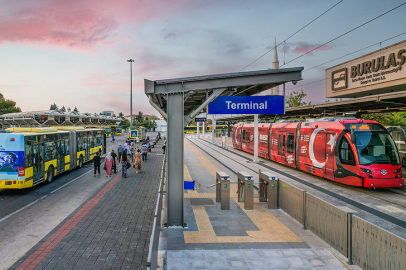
[(96, 163), (114, 156)]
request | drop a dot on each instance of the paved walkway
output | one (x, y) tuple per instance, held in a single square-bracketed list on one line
[(237, 238), (110, 231)]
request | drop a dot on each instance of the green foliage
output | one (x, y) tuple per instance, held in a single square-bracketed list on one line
[(121, 115), (295, 99), (68, 110), (124, 123), (76, 110), (388, 119), (53, 107), (8, 106), (63, 109), (139, 118)]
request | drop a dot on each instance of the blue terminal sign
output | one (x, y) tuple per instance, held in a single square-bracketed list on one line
[(201, 120), (247, 105)]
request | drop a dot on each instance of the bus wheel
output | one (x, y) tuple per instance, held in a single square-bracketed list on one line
[(81, 162), (50, 175)]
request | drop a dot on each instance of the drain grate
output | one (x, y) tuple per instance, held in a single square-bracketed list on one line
[(201, 201)]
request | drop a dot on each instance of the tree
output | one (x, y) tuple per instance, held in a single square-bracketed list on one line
[(69, 110), (387, 119), (8, 106), (76, 110), (121, 115), (295, 99), (124, 123), (139, 118), (154, 125), (53, 107), (63, 109)]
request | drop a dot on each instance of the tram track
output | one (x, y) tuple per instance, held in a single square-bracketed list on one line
[(349, 201)]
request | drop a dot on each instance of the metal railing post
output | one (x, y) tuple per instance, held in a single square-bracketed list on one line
[(304, 210), (349, 238)]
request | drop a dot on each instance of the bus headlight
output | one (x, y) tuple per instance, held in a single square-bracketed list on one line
[(398, 170), (366, 170)]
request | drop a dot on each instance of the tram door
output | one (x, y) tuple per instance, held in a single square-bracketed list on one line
[(282, 146), (330, 140), (38, 163)]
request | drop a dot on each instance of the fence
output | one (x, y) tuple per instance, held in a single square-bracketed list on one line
[(364, 244), (156, 229)]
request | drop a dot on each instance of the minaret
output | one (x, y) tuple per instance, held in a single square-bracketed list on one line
[(275, 65)]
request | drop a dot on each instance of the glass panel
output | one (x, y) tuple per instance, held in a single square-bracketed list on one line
[(346, 154), (290, 144), (50, 151), (376, 148)]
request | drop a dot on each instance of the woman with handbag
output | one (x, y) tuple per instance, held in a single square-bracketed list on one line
[(108, 164), (124, 164)]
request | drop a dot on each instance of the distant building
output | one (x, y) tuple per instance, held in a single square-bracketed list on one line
[(161, 126), (150, 117), (108, 113)]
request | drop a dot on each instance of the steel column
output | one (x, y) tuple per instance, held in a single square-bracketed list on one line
[(255, 138), (213, 127), (175, 159), (198, 131)]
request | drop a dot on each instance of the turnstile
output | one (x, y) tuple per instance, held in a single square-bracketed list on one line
[(246, 190), (268, 189), (223, 190)]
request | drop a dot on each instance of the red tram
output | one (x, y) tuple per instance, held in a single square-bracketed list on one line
[(354, 152)]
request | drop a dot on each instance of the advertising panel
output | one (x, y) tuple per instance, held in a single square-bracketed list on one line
[(378, 72)]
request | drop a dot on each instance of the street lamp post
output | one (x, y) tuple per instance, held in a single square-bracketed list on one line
[(131, 95)]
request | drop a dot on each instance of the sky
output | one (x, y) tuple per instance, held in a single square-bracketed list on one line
[(74, 53)]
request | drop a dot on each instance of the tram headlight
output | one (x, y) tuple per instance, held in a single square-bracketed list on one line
[(366, 170), (398, 170)]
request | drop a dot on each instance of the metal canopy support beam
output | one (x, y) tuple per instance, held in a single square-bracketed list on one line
[(216, 93), (213, 127), (198, 130), (175, 159), (255, 138)]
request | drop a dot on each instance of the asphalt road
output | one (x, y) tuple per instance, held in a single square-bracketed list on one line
[(26, 216)]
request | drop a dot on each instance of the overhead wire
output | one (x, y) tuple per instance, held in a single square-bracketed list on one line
[(359, 26), (291, 35)]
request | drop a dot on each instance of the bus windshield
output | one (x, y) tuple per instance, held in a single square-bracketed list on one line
[(376, 148)]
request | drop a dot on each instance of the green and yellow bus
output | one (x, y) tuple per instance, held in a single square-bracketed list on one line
[(30, 156), (119, 131)]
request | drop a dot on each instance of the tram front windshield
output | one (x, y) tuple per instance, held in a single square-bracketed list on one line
[(376, 148)]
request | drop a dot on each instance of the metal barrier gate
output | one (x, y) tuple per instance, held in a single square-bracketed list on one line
[(246, 190)]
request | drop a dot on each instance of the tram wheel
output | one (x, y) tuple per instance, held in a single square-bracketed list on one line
[(50, 175), (81, 162)]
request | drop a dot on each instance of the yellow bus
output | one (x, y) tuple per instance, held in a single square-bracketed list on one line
[(30, 156), (119, 131), (113, 129)]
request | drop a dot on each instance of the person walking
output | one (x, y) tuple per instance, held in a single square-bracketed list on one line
[(138, 142), (164, 146), (132, 148), (108, 164), (144, 152), (96, 163), (112, 137), (127, 147), (114, 156), (148, 146), (124, 164), (137, 163), (120, 150)]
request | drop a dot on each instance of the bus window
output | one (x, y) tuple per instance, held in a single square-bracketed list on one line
[(67, 151), (92, 139), (99, 138), (80, 141), (28, 153), (50, 151), (346, 154), (290, 143)]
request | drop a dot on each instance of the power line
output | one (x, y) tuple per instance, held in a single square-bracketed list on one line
[(355, 51), (344, 34), (290, 36), (342, 57)]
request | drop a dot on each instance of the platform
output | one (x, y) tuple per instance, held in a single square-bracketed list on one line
[(237, 238), (111, 230)]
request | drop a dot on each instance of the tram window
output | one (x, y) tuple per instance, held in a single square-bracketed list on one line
[(290, 143), (50, 151), (283, 143), (243, 136), (346, 154), (280, 142)]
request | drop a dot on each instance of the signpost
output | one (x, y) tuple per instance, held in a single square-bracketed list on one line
[(247, 105), (201, 120)]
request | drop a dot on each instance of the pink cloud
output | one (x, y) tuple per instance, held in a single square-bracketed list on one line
[(78, 25), (304, 47)]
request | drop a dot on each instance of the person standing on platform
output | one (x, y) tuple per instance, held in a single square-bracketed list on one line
[(164, 146), (114, 156), (127, 148), (137, 163), (120, 150), (138, 142), (144, 152), (124, 164), (108, 164), (132, 148), (96, 163), (148, 146)]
